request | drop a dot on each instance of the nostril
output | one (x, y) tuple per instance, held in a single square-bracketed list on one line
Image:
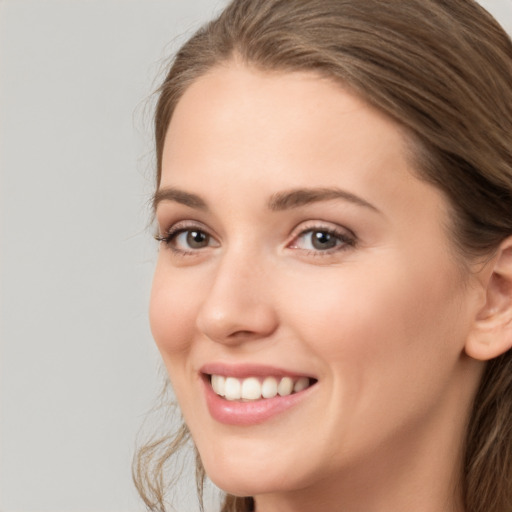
[(243, 334)]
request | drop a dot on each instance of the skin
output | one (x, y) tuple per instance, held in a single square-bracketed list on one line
[(381, 319)]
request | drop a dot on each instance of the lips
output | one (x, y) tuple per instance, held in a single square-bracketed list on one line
[(248, 394)]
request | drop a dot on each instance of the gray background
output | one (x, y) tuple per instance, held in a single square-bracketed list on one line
[(78, 369)]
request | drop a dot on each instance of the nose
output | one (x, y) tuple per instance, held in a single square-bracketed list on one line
[(238, 306)]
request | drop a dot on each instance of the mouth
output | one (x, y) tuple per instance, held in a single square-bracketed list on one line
[(255, 388), (248, 394)]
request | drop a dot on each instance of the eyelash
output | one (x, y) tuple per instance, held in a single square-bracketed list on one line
[(345, 239), (177, 230)]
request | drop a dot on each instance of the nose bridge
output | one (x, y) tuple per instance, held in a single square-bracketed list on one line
[(238, 305)]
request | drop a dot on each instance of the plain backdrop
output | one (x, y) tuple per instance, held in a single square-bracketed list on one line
[(78, 369)]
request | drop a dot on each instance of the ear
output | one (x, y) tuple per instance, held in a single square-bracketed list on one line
[(491, 334)]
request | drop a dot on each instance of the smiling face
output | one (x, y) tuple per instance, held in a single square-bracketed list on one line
[(299, 249)]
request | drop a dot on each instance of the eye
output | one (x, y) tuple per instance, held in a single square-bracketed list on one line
[(325, 240), (191, 239), (320, 240), (185, 240)]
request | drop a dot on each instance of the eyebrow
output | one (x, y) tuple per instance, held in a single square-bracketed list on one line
[(178, 196), (279, 201), (303, 196)]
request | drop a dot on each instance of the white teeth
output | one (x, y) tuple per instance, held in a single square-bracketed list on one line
[(285, 387), (232, 389), (301, 384), (269, 388), (219, 384), (252, 388)]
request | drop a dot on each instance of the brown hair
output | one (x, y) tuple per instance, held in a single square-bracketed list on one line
[(443, 70)]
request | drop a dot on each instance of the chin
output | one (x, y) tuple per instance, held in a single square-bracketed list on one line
[(248, 484), (250, 476)]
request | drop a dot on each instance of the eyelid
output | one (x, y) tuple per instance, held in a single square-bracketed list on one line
[(322, 225), (182, 225)]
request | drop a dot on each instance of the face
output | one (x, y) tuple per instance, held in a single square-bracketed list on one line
[(300, 255)]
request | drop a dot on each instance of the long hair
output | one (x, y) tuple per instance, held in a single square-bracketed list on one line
[(442, 69)]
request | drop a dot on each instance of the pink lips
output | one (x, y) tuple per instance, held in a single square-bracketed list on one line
[(244, 413)]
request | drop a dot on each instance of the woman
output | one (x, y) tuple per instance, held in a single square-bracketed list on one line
[(333, 293)]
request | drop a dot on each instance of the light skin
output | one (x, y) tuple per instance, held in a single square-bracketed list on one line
[(380, 310)]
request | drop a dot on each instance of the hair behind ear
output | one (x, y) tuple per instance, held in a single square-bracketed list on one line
[(489, 436)]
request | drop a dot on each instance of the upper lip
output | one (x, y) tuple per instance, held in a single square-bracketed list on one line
[(242, 371)]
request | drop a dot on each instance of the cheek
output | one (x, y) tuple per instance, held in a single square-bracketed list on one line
[(387, 319), (172, 313), (172, 320), (387, 343)]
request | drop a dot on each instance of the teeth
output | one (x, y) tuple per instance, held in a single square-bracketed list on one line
[(232, 389), (253, 388), (269, 388), (219, 384), (301, 384), (285, 387)]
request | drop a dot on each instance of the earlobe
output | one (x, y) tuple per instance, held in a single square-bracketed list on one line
[(491, 334)]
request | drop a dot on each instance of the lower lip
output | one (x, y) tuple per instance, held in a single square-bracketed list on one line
[(249, 413)]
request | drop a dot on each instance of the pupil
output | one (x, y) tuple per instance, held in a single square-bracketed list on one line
[(323, 240), (197, 239)]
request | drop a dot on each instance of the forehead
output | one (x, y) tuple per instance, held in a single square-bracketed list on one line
[(239, 123), (237, 113)]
